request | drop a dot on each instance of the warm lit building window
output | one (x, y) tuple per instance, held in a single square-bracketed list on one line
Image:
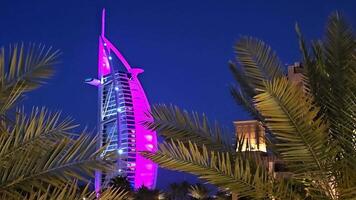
[(253, 135)]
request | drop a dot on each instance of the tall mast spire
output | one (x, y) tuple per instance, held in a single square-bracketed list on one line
[(103, 22)]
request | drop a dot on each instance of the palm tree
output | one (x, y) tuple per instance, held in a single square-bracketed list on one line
[(121, 182), (179, 191), (222, 195), (199, 192), (144, 193), (40, 155), (313, 131), (71, 192)]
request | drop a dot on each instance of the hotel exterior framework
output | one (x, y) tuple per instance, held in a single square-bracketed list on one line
[(123, 107)]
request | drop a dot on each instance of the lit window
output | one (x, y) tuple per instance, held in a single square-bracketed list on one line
[(148, 166), (120, 151), (148, 137), (149, 146)]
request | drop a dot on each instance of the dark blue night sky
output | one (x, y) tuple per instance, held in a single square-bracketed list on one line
[(183, 46)]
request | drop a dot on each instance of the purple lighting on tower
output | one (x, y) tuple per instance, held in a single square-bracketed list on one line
[(123, 107)]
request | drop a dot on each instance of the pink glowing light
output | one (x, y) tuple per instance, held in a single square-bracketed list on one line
[(148, 137), (103, 63), (149, 146), (143, 175), (149, 166), (146, 140)]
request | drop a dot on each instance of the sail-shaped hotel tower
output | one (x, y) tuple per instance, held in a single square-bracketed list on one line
[(123, 106)]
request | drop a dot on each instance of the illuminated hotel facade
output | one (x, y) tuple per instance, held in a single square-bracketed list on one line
[(123, 107), (252, 135)]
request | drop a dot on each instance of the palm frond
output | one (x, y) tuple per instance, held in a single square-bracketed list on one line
[(114, 193), (174, 123), (41, 128), (69, 191), (241, 98), (244, 176), (198, 191), (348, 192), (67, 159), (242, 80), (30, 65), (331, 70), (291, 116), (23, 68), (339, 54), (10, 97), (339, 45), (258, 62), (302, 135)]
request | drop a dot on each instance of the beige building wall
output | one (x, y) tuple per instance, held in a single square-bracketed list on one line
[(295, 74), (253, 134)]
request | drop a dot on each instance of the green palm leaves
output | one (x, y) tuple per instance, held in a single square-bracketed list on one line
[(330, 68), (258, 62), (23, 68), (70, 191), (199, 191), (173, 122), (243, 172), (255, 63), (293, 120), (312, 129), (301, 135), (39, 154)]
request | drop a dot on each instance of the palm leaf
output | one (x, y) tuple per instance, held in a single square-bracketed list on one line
[(113, 193), (30, 65), (172, 122), (244, 175), (340, 64), (67, 159), (331, 70), (23, 69), (41, 128), (302, 135), (198, 191), (241, 98), (242, 80), (258, 62), (69, 191)]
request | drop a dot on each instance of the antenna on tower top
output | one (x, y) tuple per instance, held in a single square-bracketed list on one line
[(103, 23)]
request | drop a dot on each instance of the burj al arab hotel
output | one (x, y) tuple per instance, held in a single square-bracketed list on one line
[(122, 107)]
